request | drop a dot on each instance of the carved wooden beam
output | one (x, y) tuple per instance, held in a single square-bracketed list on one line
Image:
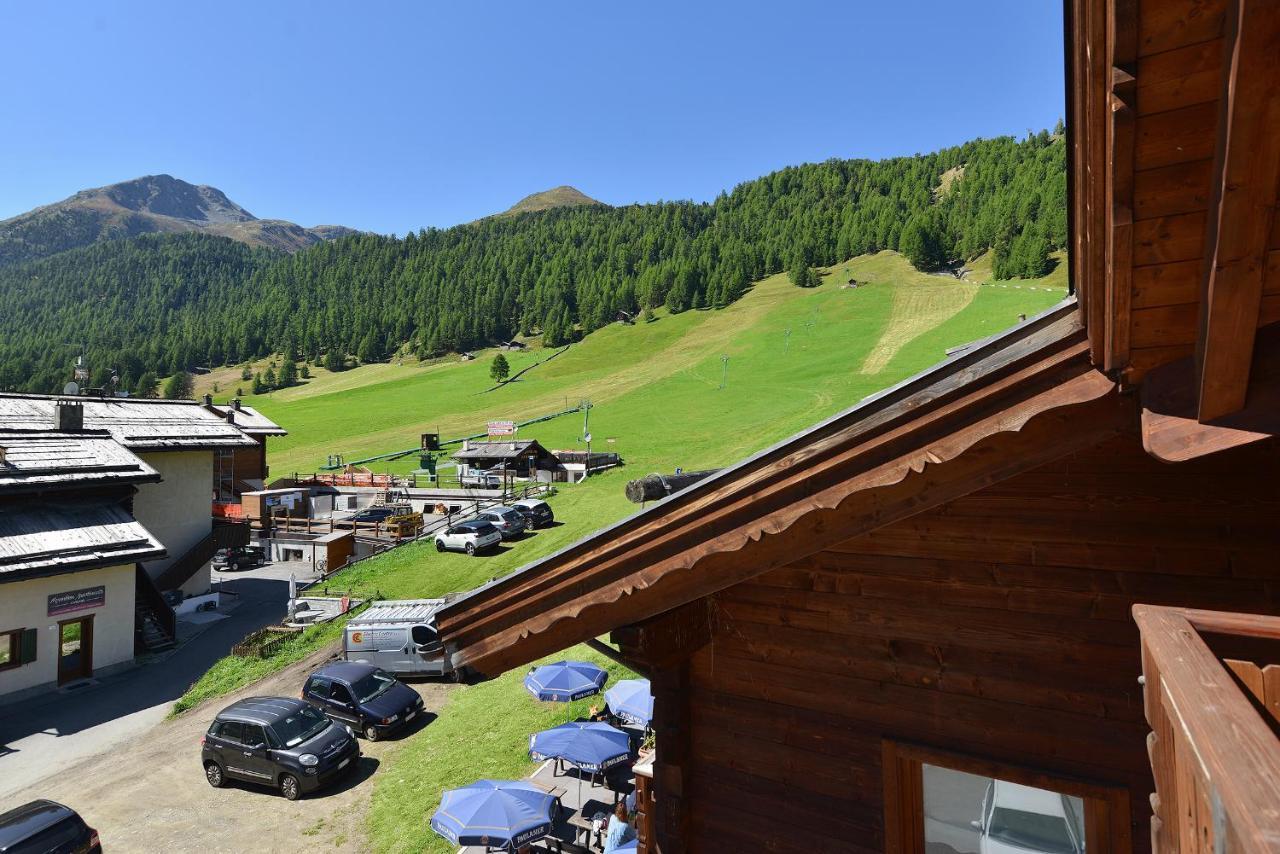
[(1244, 182)]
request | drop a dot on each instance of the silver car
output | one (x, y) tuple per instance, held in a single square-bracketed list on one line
[(509, 521)]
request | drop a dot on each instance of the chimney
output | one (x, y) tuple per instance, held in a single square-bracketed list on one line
[(231, 416), (208, 400), (235, 404), (68, 416), (2, 452)]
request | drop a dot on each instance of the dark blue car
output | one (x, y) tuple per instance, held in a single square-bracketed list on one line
[(365, 698)]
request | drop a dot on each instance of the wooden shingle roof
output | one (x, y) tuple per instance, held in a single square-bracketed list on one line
[(138, 424), (39, 461), (48, 539)]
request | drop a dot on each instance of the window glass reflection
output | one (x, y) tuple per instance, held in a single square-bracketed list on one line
[(968, 814)]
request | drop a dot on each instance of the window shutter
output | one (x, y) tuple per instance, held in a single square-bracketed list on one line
[(27, 654)]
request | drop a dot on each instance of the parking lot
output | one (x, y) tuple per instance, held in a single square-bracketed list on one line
[(150, 794)]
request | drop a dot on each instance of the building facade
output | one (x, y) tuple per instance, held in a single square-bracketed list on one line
[(70, 552)]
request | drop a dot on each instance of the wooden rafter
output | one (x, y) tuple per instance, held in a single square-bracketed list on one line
[(1122, 47), (1244, 184)]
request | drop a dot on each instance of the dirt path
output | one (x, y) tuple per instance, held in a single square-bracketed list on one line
[(152, 796), (916, 310)]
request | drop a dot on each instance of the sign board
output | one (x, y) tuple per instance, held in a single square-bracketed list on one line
[(77, 600), (501, 428)]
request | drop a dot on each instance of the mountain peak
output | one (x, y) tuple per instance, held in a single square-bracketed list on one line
[(145, 205), (563, 196), (166, 195)]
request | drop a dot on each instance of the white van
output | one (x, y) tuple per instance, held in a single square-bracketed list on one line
[(398, 636)]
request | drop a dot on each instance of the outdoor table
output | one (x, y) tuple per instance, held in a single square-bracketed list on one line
[(581, 821), (557, 792)]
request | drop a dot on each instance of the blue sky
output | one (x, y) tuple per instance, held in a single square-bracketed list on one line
[(393, 116)]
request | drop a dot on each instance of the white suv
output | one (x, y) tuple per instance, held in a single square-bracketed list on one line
[(470, 537)]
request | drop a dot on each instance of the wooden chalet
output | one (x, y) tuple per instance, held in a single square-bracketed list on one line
[(520, 457), (1052, 561), (241, 470)]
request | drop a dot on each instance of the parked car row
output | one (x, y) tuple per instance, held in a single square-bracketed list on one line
[(299, 745), (490, 527)]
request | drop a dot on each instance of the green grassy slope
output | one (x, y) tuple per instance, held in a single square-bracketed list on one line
[(655, 386)]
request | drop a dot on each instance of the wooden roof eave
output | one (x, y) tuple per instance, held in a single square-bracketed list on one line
[(811, 492)]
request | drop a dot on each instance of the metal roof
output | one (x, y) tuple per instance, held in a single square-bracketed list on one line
[(136, 423), (248, 419), (497, 450), (398, 611), (34, 461), (45, 539)]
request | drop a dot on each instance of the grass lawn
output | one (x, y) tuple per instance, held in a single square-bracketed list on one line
[(484, 734)]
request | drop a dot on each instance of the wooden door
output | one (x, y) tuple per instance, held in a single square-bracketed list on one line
[(75, 649)]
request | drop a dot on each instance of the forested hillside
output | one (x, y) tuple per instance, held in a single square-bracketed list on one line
[(166, 303)]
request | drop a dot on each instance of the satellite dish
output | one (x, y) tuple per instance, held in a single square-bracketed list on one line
[(71, 389)]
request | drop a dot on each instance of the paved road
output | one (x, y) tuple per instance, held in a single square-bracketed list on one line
[(42, 737)]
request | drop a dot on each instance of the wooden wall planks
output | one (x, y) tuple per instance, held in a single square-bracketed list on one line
[(994, 625)]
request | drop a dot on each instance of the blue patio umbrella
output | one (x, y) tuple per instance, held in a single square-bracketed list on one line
[(565, 681), (630, 700), (494, 813), (592, 747)]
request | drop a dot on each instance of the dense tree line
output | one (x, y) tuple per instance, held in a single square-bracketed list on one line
[(161, 304)]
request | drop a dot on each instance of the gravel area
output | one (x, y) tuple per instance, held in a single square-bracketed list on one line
[(152, 796)]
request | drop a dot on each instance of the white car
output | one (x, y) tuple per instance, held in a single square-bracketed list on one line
[(470, 537), (1022, 820)]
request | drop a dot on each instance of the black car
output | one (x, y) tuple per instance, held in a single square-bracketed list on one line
[(239, 557), (536, 512), (46, 827), (279, 742), (364, 697)]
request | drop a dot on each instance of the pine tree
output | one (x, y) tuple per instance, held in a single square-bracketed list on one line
[(259, 387), (270, 380), (305, 371), (288, 373), (179, 386), (146, 385), (499, 370), (333, 361), (368, 350)]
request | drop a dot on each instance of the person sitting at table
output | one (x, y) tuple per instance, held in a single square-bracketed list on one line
[(619, 831), (598, 714)]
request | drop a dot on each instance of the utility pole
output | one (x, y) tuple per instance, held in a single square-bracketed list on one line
[(586, 435), (724, 373)]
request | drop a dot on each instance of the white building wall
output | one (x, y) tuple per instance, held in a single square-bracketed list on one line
[(25, 605), (178, 510)]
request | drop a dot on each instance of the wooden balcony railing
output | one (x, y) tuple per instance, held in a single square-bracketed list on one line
[(1212, 696)]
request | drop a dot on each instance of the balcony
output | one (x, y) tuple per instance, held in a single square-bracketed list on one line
[(1212, 696)]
